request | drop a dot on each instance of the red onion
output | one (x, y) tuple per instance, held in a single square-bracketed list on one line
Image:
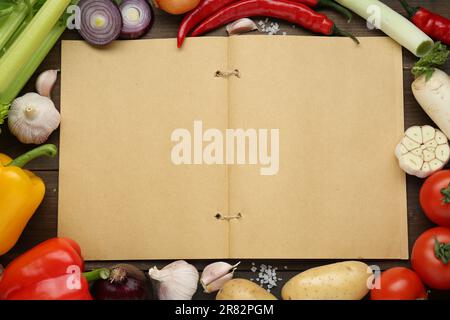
[(126, 282), (137, 17), (101, 21)]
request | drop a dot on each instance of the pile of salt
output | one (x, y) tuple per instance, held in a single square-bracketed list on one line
[(267, 276)]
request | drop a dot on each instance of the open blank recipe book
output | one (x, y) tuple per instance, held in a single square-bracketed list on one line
[(136, 114)]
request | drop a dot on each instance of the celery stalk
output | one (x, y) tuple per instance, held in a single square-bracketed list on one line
[(34, 7), (13, 37), (14, 20), (26, 44), (30, 67)]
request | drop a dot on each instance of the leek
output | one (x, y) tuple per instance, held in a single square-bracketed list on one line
[(393, 24), (28, 42)]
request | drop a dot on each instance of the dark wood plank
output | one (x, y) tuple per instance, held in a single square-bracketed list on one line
[(43, 225)]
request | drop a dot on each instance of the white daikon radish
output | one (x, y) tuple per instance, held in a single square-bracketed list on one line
[(392, 23), (432, 87), (434, 97)]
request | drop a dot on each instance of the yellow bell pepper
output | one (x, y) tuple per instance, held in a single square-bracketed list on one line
[(21, 193)]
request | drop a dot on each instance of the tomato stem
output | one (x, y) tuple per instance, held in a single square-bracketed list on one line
[(442, 251), (446, 194)]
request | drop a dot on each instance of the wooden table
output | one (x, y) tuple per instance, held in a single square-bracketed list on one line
[(43, 225)]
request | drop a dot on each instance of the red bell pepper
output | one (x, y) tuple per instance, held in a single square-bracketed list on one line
[(49, 271)]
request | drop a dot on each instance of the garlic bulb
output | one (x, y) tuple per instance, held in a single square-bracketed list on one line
[(45, 82), (177, 281), (33, 118), (422, 151), (216, 274)]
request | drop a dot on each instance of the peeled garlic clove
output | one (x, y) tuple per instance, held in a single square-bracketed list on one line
[(177, 281), (216, 274), (241, 26), (32, 118), (45, 82)]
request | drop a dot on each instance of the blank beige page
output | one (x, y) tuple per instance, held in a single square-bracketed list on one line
[(339, 192), (120, 195)]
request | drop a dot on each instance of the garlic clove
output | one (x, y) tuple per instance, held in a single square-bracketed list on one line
[(45, 82), (241, 26), (218, 284), (32, 118), (177, 281), (216, 274)]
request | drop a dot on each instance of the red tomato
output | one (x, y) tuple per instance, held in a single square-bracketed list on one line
[(435, 197), (431, 257), (399, 284)]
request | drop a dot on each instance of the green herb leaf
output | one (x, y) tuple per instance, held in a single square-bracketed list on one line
[(66, 15), (4, 109), (435, 58)]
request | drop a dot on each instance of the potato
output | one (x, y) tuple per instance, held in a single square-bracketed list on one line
[(338, 281), (242, 289)]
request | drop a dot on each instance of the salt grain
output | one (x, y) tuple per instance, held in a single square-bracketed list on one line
[(268, 27), (267, 276)]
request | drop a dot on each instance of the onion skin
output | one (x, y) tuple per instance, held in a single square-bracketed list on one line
[(177, 6), (130, 29), (126, 282), (106, 14)]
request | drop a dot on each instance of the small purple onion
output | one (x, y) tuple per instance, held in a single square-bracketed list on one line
[(126, 282), (137, 17), (101, 21)]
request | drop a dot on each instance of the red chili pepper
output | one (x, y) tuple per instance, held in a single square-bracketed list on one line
[(49, 271), (434, 25), (297, 13), (209, 7), (201, 12)]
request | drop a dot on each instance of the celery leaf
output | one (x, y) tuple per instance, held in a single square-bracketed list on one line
[(66, 15)]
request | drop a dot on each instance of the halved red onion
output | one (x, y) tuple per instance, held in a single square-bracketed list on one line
[(101, 21), (137, 18)]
